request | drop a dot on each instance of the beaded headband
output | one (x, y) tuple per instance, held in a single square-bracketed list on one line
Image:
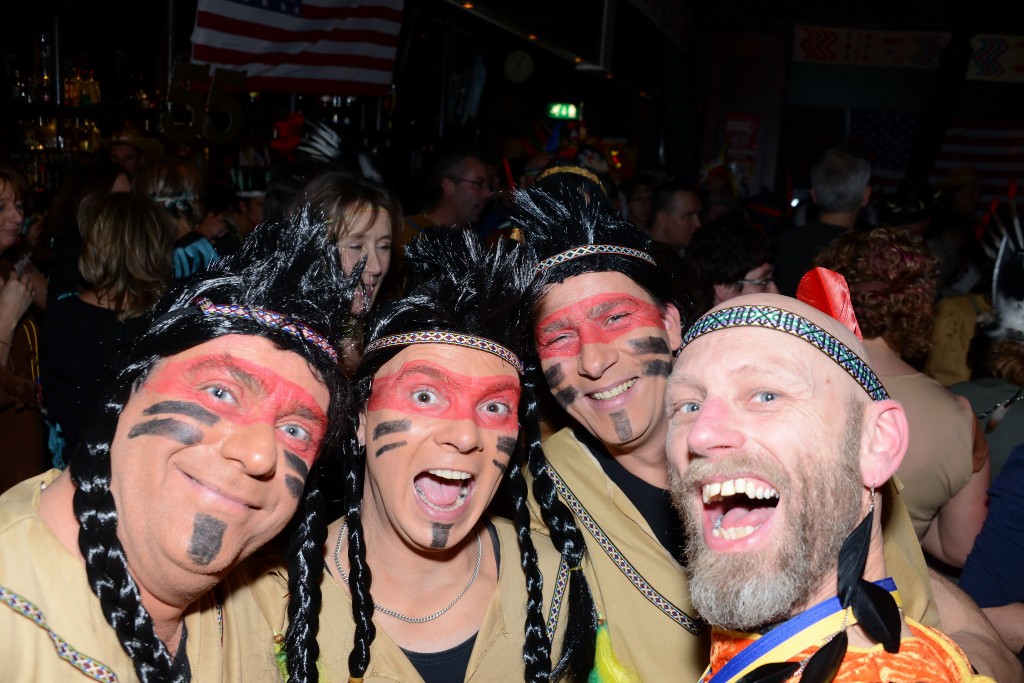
[(589, 175), (773, 318), (278, 321), (589, 249), (453, 338)]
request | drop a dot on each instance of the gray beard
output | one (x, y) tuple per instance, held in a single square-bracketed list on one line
[(747, 590)]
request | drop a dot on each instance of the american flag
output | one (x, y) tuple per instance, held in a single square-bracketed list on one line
[(887, 139), (994, 147), (322, 47)]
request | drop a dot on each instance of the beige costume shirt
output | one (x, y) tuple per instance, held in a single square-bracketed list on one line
[(643, 589), (498, 651), (54, 629)]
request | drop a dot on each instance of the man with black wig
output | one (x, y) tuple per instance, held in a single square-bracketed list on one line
[(211, 443), (606, 329), (419, 582)]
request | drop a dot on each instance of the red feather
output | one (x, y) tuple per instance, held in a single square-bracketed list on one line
[(827, 291)]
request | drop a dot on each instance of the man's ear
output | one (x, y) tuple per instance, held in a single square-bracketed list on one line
[(447, 187), (814, 197), (361, 430), (883, 441), (723, 292), (672, 322)]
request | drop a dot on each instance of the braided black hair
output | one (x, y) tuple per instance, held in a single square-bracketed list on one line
[(555, 218), (289, 268), (458, 287)]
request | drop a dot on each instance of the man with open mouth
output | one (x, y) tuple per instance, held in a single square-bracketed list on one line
[(780, 435), (420, 583), (606, 327)]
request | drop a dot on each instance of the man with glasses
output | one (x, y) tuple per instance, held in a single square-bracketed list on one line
[(730, 259), (457, 192)]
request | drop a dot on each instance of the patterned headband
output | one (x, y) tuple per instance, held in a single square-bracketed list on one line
[(773, 318), (278, 321), (588, 249), (589, 175), (453, 338)]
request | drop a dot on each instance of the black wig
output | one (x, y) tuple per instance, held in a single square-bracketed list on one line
[(555, 219), (290, 268), (459, 286)]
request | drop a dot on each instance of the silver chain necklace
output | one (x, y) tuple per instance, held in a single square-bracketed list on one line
[(393, 613)]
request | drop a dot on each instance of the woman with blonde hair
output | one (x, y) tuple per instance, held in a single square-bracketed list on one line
[(127, 242), (363, 217)]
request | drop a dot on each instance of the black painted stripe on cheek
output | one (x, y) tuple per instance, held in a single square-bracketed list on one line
[(507, 445), (650, 345), (623, 428), (193, 410), (297, 464), (207, 535), (554, 375), (566, 397), (295, 485), (391, 427), (183, 433), (439, 537), (657, 368), (500, 465), (388, 447)]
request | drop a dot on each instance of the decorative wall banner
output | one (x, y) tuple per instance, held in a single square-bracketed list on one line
[(854, 47), (997, 58)]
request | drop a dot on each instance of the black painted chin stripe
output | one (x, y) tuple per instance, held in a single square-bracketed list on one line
[(507, 445), (295, 485), (500, 465), (623, 428), (565, 397), (297, 464), (657, 368), (186, 408), (391, 427), (387, 447), (207, 535), (182, 432), (650, 345), (440, 535), (554, 375)]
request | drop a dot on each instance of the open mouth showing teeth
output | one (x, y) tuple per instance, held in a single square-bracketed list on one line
[(443, 490), (739, 506), (614, 391)]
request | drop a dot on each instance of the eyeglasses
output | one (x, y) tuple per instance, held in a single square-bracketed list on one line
[(757, 283), (479, 183)]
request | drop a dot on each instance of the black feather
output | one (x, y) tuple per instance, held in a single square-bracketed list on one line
[(878, 615), (824, 664), (852, 558), (776, 672)]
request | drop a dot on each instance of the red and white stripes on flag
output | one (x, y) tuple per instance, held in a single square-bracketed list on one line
[(994, 147), (320, 47)]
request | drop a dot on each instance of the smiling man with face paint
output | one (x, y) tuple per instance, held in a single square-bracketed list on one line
[(127, 566), (441, 590), (606, 328)]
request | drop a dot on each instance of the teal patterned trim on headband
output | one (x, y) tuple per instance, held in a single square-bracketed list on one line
[(777, 319), (589, 249), (453, 338)]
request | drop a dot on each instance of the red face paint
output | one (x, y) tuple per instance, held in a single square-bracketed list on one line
[(245, 393), (422, 388), (600, 319)]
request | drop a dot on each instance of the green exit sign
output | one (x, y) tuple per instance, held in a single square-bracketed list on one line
[(563, 110)]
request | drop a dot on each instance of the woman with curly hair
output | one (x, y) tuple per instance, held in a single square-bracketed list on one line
[(946, 471)]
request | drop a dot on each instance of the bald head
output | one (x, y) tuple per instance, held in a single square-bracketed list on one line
[(782, 314)]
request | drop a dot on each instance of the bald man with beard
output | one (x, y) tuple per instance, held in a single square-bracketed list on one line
[(780, 436)]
